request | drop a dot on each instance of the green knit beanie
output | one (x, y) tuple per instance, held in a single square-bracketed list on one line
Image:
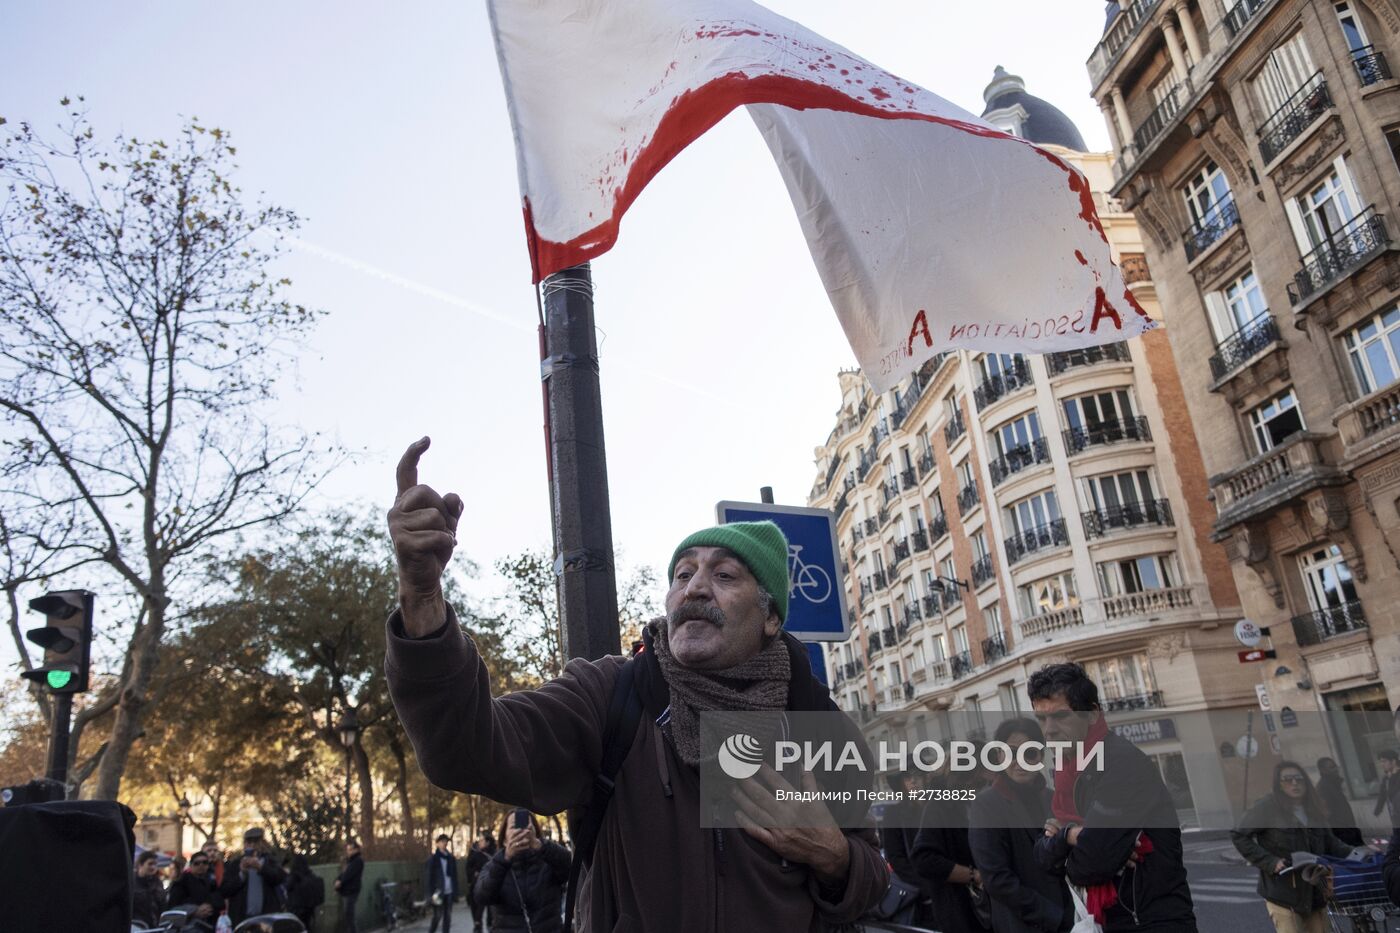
[(762, 547)]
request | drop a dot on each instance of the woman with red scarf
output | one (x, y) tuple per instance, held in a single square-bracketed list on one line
[(1115, 831), (1007, 820)]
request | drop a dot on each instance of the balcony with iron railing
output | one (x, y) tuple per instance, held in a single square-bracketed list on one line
[(878, 435), (901, 628), (1015, 377), (901, 550), (912, 614), (882, 515), (1017, 459), (938, 527), (1064, 360), (919, 541), (1052, 534), (1125, 28), (993, 649), (867, 463), (982, 570), (888, 635), (890, 490), (1371, 66), (926, 463), (842, 503), (932, 605), (909, 479), (1106, 432), (1294, 116), (872, 526), (967, 497), (875, 642), (1219, 219), (1151, 699), (893, 566), (1244, 345), (857, 534), (878, 581), (1348, 249), (1241, 13), (954, 429), (1051, 621), (1297, 465), (1099, 522), (960, 664), (1159, 119), (1313, 628)]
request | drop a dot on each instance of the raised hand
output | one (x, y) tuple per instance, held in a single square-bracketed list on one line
[(423, 527)]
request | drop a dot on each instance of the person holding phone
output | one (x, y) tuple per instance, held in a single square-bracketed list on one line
[(523, 883), (253, 880)]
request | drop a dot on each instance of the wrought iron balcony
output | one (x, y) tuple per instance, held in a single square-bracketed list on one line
[(901, 628), (932, 605), (890, 490), (871, 526), (1150, 700), (1371, 66), (876, 643), (879, 434), (843, 502), (1210, 229), (883, 516), (993, 649), (1349, 248), (1018, 376), (1089, 356), (919, 540), (967, 497), (1241, 13), (960, 664), (1033, 540), (901, 550), (893, 566), (1314, 628), (908, 690), (857, 534), (1107, 432), (877, 580), (982, 570), (909, 479), (911, 615), (926, 463), (1100, 522), (939, 526), (1297, 114), (867, 463), (1158, 120), (954, 429), (1243, 345), (1017, 459)]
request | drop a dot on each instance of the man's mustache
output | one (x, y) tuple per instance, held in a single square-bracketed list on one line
[(696, 610)]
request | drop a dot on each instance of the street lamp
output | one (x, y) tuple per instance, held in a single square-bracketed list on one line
[(348, 728)]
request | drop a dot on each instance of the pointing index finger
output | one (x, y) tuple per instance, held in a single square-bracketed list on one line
[(407, 472)]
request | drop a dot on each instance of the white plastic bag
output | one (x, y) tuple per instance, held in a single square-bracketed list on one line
[(1083, 920)]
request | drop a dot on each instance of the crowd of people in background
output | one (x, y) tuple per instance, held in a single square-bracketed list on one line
[(516, 885)]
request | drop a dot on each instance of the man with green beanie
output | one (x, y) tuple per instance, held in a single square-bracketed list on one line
[(720, 647)]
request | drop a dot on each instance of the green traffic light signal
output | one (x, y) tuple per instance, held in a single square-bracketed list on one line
[(59, 679)]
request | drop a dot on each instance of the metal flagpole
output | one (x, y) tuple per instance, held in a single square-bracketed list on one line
[(578, 470)]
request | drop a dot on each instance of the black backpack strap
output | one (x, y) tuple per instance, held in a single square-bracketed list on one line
[(619, 730)]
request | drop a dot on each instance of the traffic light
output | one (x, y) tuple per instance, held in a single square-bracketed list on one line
[(66, 640)]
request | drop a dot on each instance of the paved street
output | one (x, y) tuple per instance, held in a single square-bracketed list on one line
[(1222, 886)]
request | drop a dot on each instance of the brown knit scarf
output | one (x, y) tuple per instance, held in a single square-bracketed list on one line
[(757, 685)]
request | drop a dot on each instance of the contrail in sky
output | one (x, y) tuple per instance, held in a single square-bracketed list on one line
[(457, 301)]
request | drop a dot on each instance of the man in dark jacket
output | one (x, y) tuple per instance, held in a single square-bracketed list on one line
[(1114, 826), (253, 881), (656, 866), (441, 884), (482, 849), (901, 826), (147, 895), (1388, 798), (1331, 791), (197, 887), (347, 884)]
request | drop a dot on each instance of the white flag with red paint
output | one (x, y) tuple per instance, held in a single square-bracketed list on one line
[(931, 230)]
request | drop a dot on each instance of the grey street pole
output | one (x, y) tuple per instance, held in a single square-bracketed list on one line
[(58, 738), (578, 469)]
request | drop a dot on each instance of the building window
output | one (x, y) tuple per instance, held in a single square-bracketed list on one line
[(1093, 411), (1137, 575), (1033, 512), (1017, 435), (1326, 208), (1287, 69), (1048, 595), (1117, 489), (1327, 578), (1392, 139), (1122, 677), (1206, 195), (1236, 306), (960, 639), (1361, 734), (1374, 348), (1010, 700), (1000, 364), (992, 615), (979, 546), (937, 648), (1357, 42), (1276, 420), (919, 656), (949, 571)]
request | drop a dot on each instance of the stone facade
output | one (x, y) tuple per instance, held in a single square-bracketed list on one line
[(1261, 162)]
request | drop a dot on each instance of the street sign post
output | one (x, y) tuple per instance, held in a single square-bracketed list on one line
[(816, 595), (1247, 633), (1256, 654)]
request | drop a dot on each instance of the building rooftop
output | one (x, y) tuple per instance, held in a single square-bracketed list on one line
[(1011, 108)]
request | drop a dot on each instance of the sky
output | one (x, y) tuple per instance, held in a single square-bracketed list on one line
[(385, 127)]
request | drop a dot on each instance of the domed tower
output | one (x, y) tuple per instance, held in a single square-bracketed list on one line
[(1010, 108)]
